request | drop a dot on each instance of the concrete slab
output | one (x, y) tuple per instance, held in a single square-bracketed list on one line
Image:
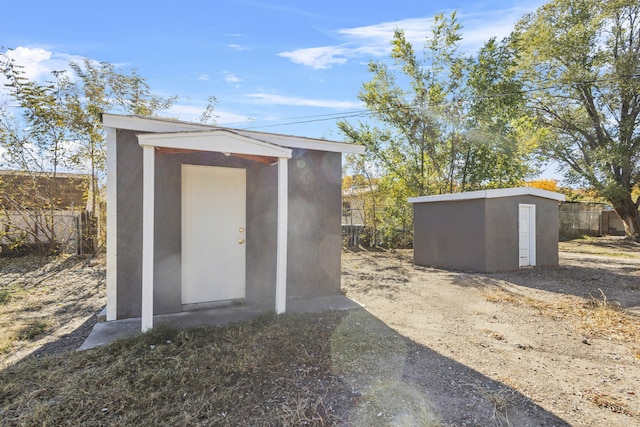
[(104, 333)]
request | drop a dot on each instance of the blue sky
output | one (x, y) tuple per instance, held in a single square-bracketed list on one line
[(280, 66)]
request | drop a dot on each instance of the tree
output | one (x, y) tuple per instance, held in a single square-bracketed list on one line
[(502, 138), (440, 122), (98, 88), (54, 124), (580, 60), (422, 124), (33, 143)]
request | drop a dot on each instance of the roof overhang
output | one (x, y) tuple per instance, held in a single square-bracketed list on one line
[(157, 125), (490, 194), (219, 140)]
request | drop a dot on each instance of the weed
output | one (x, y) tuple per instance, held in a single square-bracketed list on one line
[(603, 302), (34, 329), (5, 296), (6, 343), (500, 398)]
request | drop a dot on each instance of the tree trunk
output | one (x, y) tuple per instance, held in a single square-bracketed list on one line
[(628, 212)]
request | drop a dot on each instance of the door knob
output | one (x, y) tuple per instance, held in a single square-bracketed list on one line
[(241, 241)]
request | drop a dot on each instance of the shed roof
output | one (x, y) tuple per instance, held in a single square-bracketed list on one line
[(489, 194), (163, 125)]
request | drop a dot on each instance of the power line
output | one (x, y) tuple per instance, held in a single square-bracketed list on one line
[(362, 113), (312, 120)]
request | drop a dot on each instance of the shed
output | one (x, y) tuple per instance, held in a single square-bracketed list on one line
[(487, 231), (200, 216)]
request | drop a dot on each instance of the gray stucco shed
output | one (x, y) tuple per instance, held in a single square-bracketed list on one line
[(487, 231), (199, 216)]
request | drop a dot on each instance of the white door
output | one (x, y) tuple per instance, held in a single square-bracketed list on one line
[(213, 233), (527, 235)]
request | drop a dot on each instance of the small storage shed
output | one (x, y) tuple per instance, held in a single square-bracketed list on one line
[(487, 231), (200, 216)]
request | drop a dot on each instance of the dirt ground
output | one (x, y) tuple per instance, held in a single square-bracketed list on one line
[(540, 346), (557, 337), (60, 296)]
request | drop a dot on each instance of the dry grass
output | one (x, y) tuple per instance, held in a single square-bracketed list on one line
[(609, 402), (272, 371), (41, 298), (500, 398), (595, 317), (332, 368), (609, 247)]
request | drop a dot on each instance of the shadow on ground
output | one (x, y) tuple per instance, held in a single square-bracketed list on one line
[(405, 383)]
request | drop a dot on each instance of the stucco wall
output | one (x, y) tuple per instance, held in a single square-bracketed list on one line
[(449, 234), (129, 225), (315, 208), (314, 225), (482, 234)]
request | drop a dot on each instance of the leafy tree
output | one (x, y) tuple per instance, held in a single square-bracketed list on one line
[(581, 62), (57, 124), (442, 122), (502, 138), (544, 184), (34, 142), (97, 88)]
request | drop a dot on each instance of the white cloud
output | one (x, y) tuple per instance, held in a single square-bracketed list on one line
[(231, 118), (237, 47), (38, 63), (231, 78), (375, 40), (318, 57), (265, 98), (204, 77), (480, 27)]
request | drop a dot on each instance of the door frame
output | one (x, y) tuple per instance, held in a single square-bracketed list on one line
[(187, 232)]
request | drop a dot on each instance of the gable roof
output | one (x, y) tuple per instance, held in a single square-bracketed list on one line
[(162, 125), (490, 194)]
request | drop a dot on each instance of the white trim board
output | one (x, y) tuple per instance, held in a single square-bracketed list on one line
[(112, 225), (144, 124), (220, 140), (490, 194)]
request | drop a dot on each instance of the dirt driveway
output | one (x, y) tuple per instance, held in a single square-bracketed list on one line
[(555, 337)]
